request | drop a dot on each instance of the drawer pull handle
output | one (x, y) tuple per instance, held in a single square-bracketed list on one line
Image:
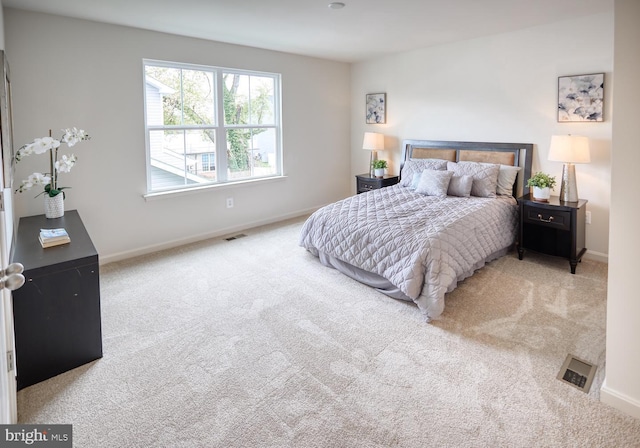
[(545, 220)]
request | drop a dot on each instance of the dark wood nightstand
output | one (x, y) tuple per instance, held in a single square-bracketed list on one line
[(553, 228), (366, 182)]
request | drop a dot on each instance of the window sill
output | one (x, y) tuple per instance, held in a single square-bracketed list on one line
[(221, 186)]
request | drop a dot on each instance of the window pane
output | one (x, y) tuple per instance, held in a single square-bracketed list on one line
[(198, 91), (195, 105), (252, 152), (164, 105), (174, 157), (201, 143), (249, 99), (262, 100), (263, 158), (236, 98)]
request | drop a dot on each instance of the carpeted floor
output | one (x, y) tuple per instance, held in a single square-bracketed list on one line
[(253, 343)]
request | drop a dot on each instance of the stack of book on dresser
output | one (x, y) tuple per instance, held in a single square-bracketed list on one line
[(53, 237)]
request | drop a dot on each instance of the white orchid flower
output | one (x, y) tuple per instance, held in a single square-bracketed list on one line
[(65, 163), (34, 179), (44, 144), (26, 150), (74, 135)]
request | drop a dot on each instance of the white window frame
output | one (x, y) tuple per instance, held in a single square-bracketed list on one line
[(219, 126)]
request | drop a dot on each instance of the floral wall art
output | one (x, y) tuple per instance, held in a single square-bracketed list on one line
[(376, 108), (581, 97)]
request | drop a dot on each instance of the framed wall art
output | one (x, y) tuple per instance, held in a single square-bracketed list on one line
[(376, 108), (581, 98)]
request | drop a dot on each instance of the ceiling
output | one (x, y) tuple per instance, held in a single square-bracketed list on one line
[(363, 29)]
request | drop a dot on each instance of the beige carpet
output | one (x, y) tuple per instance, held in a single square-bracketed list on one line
[(253, 343)]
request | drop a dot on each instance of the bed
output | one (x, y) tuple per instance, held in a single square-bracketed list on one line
[(453, 211)]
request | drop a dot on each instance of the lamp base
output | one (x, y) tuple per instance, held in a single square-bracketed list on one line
[(568, 187), (374, 156)]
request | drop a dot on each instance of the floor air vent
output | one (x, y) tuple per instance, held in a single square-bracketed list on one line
[(577, 373), (235, 237)]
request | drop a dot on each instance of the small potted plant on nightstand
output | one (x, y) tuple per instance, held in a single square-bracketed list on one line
[(378, 167), (542, 184)]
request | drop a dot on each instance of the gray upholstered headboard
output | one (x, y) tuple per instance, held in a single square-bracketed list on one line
[(515, 154)]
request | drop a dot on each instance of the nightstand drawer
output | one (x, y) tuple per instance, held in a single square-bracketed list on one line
[(549, 218), (367, 185)]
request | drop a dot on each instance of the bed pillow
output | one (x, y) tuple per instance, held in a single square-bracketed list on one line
[(485, 176), (460, 186), (434, 183), (506, 179), (417, 166)]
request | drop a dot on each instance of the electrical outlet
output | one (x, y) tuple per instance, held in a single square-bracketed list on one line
[(588, 218), (230, 203)]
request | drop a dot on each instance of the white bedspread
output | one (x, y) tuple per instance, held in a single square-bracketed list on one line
[(423, 245)]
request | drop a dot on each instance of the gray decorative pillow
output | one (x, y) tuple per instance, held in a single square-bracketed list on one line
[(434, 183), (485, 176), (418, 166), (460, 186), (506, 178)]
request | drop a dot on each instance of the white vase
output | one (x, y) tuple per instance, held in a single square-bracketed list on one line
[(54, 206), (379, 172), (541, 194)]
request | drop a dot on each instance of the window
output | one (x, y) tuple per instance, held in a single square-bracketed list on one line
[(209, 161), (210, 125)]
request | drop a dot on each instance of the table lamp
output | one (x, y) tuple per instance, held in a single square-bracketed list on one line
[(569, 149), (373, 142)]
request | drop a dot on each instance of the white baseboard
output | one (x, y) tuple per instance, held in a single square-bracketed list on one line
[(200, 237), (597, 256), (620, 401)]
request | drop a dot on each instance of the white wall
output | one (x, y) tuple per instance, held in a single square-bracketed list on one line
[(501, 88), (69, 72), (622, 384), (1, 27)]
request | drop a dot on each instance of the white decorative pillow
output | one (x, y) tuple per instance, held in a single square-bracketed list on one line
[(506, 179), (485, 176), (460, 186), (417, 166), (434, 183)]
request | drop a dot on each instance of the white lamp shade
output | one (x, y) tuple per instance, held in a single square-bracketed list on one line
[(569, 149), (373, 141)]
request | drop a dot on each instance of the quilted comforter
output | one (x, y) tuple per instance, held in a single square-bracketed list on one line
[(423, 245)]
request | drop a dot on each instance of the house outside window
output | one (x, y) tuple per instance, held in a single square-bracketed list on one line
[(210, 125)]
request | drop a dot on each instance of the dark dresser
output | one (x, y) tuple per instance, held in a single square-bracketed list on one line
[(57, 311)]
